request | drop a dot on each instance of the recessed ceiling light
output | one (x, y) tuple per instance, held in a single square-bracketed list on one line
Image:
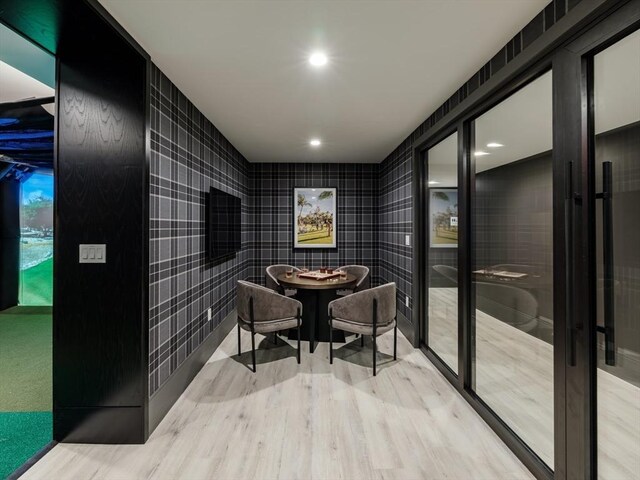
[(314, 142), (494, 145), (318, 59), (433, 182), (480, 153)]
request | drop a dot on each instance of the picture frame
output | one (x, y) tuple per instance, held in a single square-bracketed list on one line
[(443, 217), (314, 219)]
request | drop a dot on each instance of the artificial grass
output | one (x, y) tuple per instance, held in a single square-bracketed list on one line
[(22, 435), (316, 237), (36, 284), (25, 360)]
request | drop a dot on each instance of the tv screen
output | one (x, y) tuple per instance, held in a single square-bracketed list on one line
[(224, 224)]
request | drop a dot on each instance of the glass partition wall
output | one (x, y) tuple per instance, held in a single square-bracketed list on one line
[(616, 166), (442, 258), (512, 248)]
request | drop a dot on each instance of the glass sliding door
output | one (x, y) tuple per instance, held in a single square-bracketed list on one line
[(442, 268), (616, 101), (512, 271)]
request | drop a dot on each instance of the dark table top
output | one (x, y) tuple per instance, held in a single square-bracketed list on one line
[(310, 284)]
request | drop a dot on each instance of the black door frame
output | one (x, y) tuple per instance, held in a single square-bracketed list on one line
[(580, 192), (573, 176)]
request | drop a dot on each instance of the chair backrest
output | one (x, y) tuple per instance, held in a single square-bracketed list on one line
[(450, 273), (267, 304), (358, 307), (361, 273), (510, 304), (271, 276)]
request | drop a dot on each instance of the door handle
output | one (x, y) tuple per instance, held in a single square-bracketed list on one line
[(607, 254)]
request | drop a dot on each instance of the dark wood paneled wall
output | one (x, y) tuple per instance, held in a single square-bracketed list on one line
[(101, 320), (100, 325)]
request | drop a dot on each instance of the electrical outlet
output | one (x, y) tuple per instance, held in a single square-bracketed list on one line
[(209, 314), (406, 300)]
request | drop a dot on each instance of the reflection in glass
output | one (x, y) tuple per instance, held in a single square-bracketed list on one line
[(513, 252), (442, 166), (617, 170)]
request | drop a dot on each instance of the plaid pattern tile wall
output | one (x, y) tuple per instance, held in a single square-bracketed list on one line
[(188, 155), (395, 211), (357, 195), (396, 170)]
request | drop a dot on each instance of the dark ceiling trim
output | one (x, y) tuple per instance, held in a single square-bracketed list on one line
[(31, 102)]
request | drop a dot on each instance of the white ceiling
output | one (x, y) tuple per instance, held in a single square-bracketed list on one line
[(16, 85), (391, 64)]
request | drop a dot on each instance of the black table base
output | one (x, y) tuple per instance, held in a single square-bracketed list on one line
[(315, 317)]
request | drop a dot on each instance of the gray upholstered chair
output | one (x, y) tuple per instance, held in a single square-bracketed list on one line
[(271, 279), (512, 305), (261, 310), (361, 273), (369, 312)]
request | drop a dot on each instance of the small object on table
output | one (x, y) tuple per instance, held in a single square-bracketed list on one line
[(289, 272), (343, 274), (304, 269), (323, 269), (329, 270)]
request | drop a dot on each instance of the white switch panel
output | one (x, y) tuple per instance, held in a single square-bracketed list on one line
[(407, 240), (96, 253), (209, 314), (406, 300)]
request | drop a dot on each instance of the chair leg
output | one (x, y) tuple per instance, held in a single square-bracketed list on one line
[(239, 347), (298, 341), (395, 342), (374, 354), (362, 340), (330, 342), (253, 350)]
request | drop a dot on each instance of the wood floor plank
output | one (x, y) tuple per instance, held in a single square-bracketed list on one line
[(308, 421)]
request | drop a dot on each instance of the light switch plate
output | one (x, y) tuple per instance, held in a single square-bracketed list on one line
[(92, 253), (407, 240), (406, 300)]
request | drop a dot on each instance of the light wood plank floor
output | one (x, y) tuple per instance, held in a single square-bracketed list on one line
[(514, 376), (313, 421)]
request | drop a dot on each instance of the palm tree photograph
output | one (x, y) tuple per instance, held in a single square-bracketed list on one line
[(443, 206), (314, 217)]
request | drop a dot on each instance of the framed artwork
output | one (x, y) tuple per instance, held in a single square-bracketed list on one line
[(443, 217), (314, 217)]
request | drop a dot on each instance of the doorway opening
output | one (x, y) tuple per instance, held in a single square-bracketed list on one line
[(27, 90)]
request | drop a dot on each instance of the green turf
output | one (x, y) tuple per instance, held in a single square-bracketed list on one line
[(36, 284), (316, 237), (25, 360), (22, 434)]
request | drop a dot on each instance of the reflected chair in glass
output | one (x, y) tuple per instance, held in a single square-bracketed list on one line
[(261, 310), (369, 312), (450, 273), (512, 305)]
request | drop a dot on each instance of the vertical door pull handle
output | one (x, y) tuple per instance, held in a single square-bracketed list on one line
[(607, 254)]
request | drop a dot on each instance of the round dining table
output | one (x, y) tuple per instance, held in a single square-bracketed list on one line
[(315, 296)]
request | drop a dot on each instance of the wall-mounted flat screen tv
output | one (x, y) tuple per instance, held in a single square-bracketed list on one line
[(225, 224)]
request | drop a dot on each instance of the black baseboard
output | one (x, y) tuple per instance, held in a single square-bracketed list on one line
[(110, 425), (31, 462), (166, 396), (407, 328)]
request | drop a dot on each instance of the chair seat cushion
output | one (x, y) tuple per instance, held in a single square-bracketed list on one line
[(362, 328), (269, 326)]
